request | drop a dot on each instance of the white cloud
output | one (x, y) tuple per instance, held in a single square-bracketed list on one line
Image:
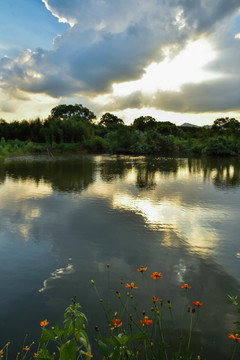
[(112, 42)]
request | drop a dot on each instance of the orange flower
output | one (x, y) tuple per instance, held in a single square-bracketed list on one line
[(142, 268), (87, 354), (116, 323), (26, 348), (156, 275), (198, 303), (132, 286), (155, 299), (1, 352), (44, 323), (36, 355), (185, 286), (146, 321), (234, 337)]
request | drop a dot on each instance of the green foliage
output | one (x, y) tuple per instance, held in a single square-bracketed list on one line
[(95, 144), (235, 300), (110, 121), (66, 111), (71, 341), (72, 124), (219, 146), (143, 123), (120, 140), (132, 334), (226, 123)]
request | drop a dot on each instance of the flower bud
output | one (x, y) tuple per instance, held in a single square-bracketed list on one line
[(108, 265), (188, 308), (96, 328), (92, 282), (169, 304)]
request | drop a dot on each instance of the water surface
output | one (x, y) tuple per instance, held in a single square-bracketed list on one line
[(63, 219)]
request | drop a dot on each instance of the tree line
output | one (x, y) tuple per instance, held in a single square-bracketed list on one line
[(74, 128)]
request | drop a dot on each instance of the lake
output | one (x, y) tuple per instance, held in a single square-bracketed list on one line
[(63, 219)]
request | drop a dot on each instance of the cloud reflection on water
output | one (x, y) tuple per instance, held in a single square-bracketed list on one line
[(57, 274), (166, 213)]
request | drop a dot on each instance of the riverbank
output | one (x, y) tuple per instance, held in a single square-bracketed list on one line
[(179, 148)]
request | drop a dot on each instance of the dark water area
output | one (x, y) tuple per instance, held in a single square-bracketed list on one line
[(63, 219)]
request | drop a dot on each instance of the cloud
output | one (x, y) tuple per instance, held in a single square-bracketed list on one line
[(219, 93), (214, 96), (113, 41)]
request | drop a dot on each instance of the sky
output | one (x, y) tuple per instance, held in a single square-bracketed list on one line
[(175, 60)]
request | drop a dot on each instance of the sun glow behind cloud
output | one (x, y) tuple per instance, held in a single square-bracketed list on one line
[(171, 74)]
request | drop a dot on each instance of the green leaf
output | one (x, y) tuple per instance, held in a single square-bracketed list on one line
[(58, 331), (110, 341), (138, 336), (103, 348), (78, 324), (233, 299), (44, 354), (122, 338), (115, 355), (68, 350), (47, 335), (67, 328)]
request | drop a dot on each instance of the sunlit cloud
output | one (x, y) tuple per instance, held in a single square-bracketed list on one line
[(170, 74), (122, 56), (70, 21)]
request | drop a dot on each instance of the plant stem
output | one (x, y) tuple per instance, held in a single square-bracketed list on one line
[(234, 351)]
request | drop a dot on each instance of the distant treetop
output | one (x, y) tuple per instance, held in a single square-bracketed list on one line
[(65, 111), (109, 119), (225, 123)]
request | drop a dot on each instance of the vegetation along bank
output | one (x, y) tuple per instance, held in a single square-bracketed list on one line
[(73, 128)]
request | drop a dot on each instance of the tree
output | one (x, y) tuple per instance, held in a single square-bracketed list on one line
[(144, 123), (111, 120), (168, 128), (65, 111), (226, 123)]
